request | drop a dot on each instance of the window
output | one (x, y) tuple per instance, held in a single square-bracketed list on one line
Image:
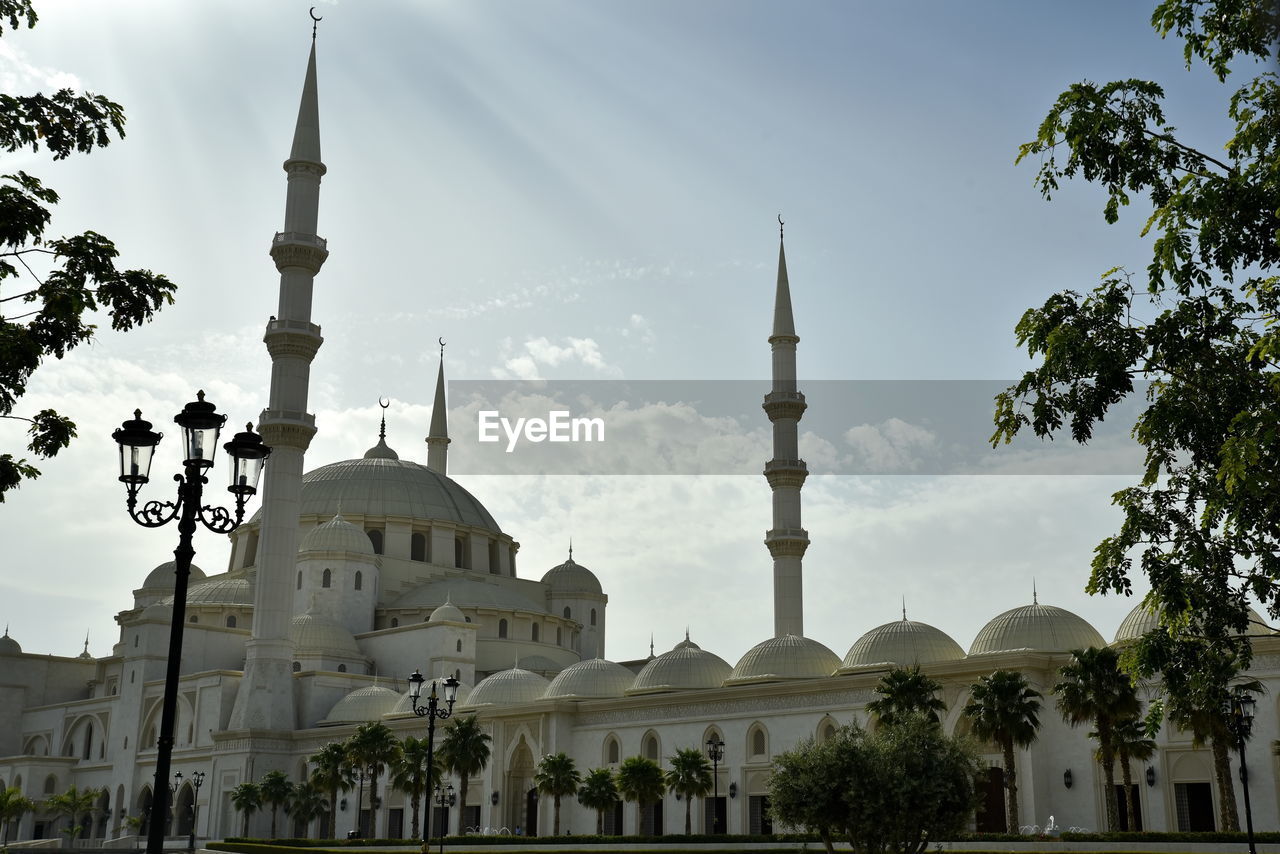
[(459, 646), (251, 549), (418, 548), (342, 668), (457, 674), (757, 742), (568, 615), (299, 584), (231, 621), (494, 569), (50, 784), (395, 621), (359, 579), (502, 628), (375, 538), (612, 751), (461, 553), (88, 741), (193, 619), (559, 637), (535, 632), (593, 616), (297, 667), (326, 578), (651, 747)]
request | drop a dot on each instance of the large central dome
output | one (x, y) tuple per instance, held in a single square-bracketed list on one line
[(389, 487)]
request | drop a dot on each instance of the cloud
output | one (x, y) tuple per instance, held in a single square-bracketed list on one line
[(893, 446), (19, 75), (542, 352)]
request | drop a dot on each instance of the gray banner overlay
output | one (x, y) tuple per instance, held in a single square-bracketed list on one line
[(863, 427)]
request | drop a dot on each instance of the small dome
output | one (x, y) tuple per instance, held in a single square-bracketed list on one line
[(685, 668), (9, 646), (314, 633), (508, 688), (592, 679), (1142, 620), (447, 612), (220, 591), (1035, 626), (784, 658), (336, 535), (163, 575), (381, 451), (363, 705), (571, 577), (404, 706), (903, 643)]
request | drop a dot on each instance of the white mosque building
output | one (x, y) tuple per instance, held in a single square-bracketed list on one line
[(381, 565)]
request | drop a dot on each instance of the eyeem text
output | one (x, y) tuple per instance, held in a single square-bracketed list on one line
[(558, 426)]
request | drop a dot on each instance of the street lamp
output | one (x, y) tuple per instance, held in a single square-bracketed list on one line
[(1242, 704), (197, 779), (200, 425), (445, 798), (715, 751), (431, 712)]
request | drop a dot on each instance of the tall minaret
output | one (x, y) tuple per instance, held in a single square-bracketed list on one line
[(438, 439), (786, 472), (265, 698)]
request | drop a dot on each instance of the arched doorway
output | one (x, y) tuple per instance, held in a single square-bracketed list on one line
[(531, 812), (144, 810), (183, 812), (991, 817), (519, 781), (100, 816)]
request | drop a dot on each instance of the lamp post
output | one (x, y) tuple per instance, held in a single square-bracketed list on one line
[(445, 798), (431, 711), (1242, 704), (715, 751), (200, 425), (197, 779)]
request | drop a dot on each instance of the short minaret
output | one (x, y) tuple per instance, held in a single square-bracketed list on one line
[(786, 472), (438, 439), (265, 698)]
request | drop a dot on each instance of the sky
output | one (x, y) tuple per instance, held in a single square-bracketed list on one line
[(590, 191)]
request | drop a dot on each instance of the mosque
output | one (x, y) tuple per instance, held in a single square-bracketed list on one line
[(382, 565)]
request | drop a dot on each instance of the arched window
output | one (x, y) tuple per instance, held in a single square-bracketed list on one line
[(342, 668), (193, 619), (612, 751), (535, 632), (298, 586), (375, 538), (460, 553), (88, 740), (651, 747), (418, 548), (559, 637), (757, 742), (251, 549), (395, 621), (297, 667), (828, 731), (50, 784), (359, 579), (593, 616), (326, 578), (568, 615), (457, 674), (459, 646), (494, 569), (231, 621), (502, 628)]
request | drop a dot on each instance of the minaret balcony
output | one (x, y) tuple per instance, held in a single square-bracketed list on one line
[(784, 404), (296, 339), (298, 249), (783, 474), (787, 542)]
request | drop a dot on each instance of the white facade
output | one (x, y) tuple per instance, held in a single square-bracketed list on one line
[(371, 567)]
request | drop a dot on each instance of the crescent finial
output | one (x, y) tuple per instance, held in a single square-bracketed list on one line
[(384, 402), (441, 340), (780, 225), (314, 21)]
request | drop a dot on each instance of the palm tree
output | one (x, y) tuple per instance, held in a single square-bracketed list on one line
[(599, 792), (13, 806), (331, 773), (276, 790), (1094, 690), (1004, 709), (689, 777), (373, 747), (640, 780), (1131, 742), (556, 776), (464, 751), (73, 803), (904, 690), (410, 775), (306, 803), (246, 798)]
